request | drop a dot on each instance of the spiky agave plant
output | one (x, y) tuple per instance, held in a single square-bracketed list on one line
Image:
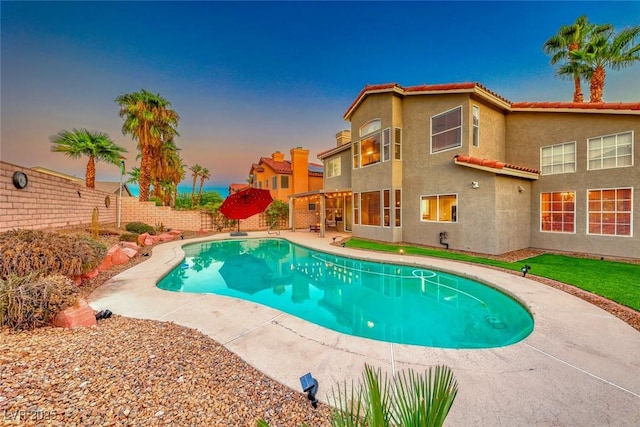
[(411, 399)]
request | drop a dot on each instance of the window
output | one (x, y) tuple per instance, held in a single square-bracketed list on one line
[(334, 167), (610, 211), (259, 184), (397, 153), (386, 144), (356, 154), (274, 182), (370, 208), (398, 207), (369, 144), (558, 212), (284, 181), (386, 208), (612, 151), (311, 206), (356, 208), (560, 158), (446, 130), (476, 126), (439, 208)]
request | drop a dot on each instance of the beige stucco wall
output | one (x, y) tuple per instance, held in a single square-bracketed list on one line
[(527, 132)]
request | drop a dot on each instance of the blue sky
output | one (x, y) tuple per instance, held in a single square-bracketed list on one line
[(250, 78)]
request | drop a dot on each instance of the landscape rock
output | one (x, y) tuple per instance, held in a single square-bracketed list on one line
[(79, 315)]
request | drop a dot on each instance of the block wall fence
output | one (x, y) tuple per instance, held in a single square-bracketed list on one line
[(52, 202)]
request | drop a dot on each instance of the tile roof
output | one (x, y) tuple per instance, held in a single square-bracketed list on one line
[(334, 150), (479, 89), (235, 187), (283, 167), (495, 166)]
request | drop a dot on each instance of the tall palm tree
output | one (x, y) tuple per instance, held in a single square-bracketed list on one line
[(204, 175), (149, 119), (95, 145), (569, 39), (608, 50), (195, 173), (168, 172)]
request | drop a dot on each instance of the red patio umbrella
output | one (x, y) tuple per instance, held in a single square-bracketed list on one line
[(245, 203)]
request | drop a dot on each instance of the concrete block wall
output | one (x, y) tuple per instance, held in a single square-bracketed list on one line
[(49, 201)]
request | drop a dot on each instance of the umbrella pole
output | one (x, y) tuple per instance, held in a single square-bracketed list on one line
[(238, 226)]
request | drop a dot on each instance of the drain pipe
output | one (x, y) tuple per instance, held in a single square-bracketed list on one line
[(443, 235)]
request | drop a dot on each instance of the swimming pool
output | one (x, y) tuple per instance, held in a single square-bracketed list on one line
[(386, 302)]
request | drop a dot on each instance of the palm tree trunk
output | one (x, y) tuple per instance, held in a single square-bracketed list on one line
[(577, 92), (193, 188), (597, 84), (90, 179), (145, 178)]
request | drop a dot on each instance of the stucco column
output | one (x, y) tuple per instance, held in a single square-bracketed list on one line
[(292, 213)]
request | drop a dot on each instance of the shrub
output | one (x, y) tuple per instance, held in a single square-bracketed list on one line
[(139, 228), (33, 300), (27, 251), (129, 237)]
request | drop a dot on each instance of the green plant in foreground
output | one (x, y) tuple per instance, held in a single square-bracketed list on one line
[(410, 399), (139, 228)]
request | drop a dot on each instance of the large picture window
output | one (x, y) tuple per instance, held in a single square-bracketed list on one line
[(558, 212), (446, 130), (334, 167), (560, 158), (369, 144), (370, 208), (611, 151), (610, 211), (439, 208)]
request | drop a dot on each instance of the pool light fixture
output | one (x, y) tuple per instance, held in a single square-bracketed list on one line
[(525, 269), (310, 386), (401, 251)]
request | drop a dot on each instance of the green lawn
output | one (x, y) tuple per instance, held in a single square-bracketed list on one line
[(617, 281)]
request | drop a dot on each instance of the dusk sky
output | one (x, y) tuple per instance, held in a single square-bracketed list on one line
[(250, 78)]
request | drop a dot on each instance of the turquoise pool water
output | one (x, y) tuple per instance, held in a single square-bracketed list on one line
[(385, 302)]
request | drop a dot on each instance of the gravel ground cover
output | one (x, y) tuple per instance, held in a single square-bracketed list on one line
[(146, 373)]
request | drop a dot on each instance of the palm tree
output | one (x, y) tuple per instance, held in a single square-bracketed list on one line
[(608, 50), (569, 39), (149, 119), (204, 175), (83, 142), (168, 164), (195, 169)]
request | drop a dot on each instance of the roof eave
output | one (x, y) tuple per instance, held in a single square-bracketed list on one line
[(503, 171)]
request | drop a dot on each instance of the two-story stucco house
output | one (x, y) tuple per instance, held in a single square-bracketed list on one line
[(458, 165)]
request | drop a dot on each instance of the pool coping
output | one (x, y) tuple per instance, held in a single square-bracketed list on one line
[(579, 366)]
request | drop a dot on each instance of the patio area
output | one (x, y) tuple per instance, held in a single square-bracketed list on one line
[(579, 367)]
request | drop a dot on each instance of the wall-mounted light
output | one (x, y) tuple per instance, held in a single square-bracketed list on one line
[(525, 269), (520, 188), (475, 184)]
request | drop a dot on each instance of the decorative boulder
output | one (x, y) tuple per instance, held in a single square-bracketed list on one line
[(130, 245), (166, 237), (118, 255), (79, 315)]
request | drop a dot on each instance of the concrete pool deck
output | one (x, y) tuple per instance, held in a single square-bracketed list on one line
[(579, 367)]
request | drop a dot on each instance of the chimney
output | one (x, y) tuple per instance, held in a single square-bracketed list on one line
[(343, 137), (278, 156), (299, 170)]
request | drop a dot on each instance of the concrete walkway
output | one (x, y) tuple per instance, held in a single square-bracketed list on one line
[(579, 367)]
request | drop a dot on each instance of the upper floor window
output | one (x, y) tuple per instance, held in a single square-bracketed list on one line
[(386, 144), (284, 181), (370, 127), (274, 182), (334, 167), (439, 208), (558, 212), (610, 211), (560, 158), (355, 147), (397, 144), (611, 151), (475, 135), (446, 130)]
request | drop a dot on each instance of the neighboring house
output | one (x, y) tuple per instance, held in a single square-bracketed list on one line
[(104, 186), (458, 165), (286, 177)]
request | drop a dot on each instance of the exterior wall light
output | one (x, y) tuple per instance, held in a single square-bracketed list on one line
[(475, 184), (525, 269), (310, 386)]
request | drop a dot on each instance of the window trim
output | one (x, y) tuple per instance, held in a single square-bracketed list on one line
[(380, 209), (562, 212), (588, 212), (475, 125), (397, 145), (397, 207), (448, 130), (563, 164), (601, 137), (331, 167), (386, 144), (437, 196), (374, 129)]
